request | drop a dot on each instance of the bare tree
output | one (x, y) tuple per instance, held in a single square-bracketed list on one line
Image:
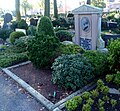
[(17, 8)]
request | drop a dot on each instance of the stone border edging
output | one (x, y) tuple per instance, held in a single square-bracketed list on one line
[(49, 105), (88, 87), (21, 64)]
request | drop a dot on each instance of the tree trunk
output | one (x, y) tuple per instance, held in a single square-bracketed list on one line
[(47, 8), (55, 9), (17, 7), (89, 2)]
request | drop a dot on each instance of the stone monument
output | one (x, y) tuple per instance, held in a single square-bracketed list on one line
[(7, 19), (88, 27)]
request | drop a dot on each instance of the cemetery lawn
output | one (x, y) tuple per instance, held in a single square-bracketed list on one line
[(40, 80)]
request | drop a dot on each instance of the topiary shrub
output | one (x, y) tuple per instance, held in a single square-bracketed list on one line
[(71, 71), (15, 35), (98, 60), (114, 55), (22, 24), (64, 35), (45, 26), (42, 49)]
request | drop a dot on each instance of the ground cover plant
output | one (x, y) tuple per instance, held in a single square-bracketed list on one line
[(10, 56), (98, 99)]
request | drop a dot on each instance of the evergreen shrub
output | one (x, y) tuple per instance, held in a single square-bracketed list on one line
[(64, 35), (72, 71), (15, 35)]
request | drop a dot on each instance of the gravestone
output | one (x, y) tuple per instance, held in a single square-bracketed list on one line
[(7, 19), (33, 21), (88, 27)]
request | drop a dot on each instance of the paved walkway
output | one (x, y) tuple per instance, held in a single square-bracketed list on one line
[(14, 98)]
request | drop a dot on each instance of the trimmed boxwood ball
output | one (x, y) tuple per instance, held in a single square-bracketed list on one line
[(64, 35), (45, 26), (72, 71), (15, 35)]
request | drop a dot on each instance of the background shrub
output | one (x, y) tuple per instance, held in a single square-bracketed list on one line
[(41, 50), (5, 33), (70, 49), (60, 28), (71, 71), (14, 25), (31, 30), (22, 24), (64, 35), (22, 43), (45, 26), (114, 55), (98, 60), (15, 35), (60, 22)]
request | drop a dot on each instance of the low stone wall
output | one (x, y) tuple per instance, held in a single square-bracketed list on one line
[(108, 37)]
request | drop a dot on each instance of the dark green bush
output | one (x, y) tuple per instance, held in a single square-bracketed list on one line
[(70, 49), (71, 71), (42, 49), (22, 24), (64, 35), (98, 60), (114, 55), (5, 33), (22, 43), (14, 25), (45, 27), (15, 35), (63, 22), (55, 23), (31, 30), (60, 22)]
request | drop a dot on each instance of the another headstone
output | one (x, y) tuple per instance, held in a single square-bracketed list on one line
[(7, 19), (33, 21), (88, 27)]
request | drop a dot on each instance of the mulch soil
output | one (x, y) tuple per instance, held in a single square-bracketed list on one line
[(40, 80)]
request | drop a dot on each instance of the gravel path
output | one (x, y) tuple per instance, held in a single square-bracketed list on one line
[(14, 98)]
